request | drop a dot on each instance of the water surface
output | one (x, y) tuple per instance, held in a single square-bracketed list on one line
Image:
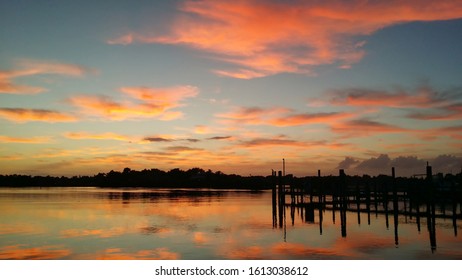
[(96, 223)]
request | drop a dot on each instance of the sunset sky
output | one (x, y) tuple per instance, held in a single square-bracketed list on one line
[(235, 86)]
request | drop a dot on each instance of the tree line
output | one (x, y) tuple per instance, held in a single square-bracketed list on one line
[(200, 178), (147, 178)]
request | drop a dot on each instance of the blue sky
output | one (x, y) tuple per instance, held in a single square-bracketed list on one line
[(90, 86)]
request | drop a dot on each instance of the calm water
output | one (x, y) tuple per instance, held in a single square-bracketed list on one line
[(94, 223)]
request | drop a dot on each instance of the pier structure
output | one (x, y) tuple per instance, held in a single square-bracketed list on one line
[(427, 200)]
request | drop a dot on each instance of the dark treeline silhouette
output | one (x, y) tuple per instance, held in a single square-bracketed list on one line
[(147, 178), (200, 178)]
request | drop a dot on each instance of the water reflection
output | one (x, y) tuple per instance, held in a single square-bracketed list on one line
[(405, 210), (91, 223)]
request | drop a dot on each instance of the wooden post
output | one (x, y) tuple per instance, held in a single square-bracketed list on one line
[(280, 200), (274, 199), (395, 206), (429, 180)]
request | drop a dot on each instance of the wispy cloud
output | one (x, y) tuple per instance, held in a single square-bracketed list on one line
[(422, 97), (423, 103), (262, 38), (25, 140), (183, 149), (444, 113), (278, 116), (220, 138), (27, 67), (454, 132), (97, 136), (143, 102), (284, 141), (22, 115), (364, 127), (101, 233), (20, 252), (157, 139)]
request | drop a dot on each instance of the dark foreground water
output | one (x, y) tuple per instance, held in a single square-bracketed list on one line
[(94, 223)]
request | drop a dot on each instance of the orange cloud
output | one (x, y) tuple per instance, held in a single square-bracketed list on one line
[(155, 254), (200, 238), (18, 252), (101, 136), (162, 96), (29, 67), (278, 116), (25, 140), (27, 115), (263, 38), (103, 233), (150, 103)]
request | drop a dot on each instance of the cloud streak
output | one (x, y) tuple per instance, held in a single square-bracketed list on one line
[(142, 102), (364, 127), (278, 116), (100, 136), (261, 38), (22, 115), (423, 97), (24, 140), (27, 67)]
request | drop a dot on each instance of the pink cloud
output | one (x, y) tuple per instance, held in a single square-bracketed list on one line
[(262, 38)]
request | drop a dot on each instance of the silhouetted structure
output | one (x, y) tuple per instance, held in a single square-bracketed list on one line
[(345, 194)]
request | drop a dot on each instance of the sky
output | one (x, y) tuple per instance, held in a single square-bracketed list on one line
[(231, 86)]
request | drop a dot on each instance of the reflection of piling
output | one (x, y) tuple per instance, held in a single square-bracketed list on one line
[(454, 217), (395, 205), (368, 204), (292, 213), (431, 207), (320, 219), (376, 205), (454, 207), (431, 225), (309, 213), (387, 223), (418, 215), (343, 202), (281, 199), (274, 199)]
